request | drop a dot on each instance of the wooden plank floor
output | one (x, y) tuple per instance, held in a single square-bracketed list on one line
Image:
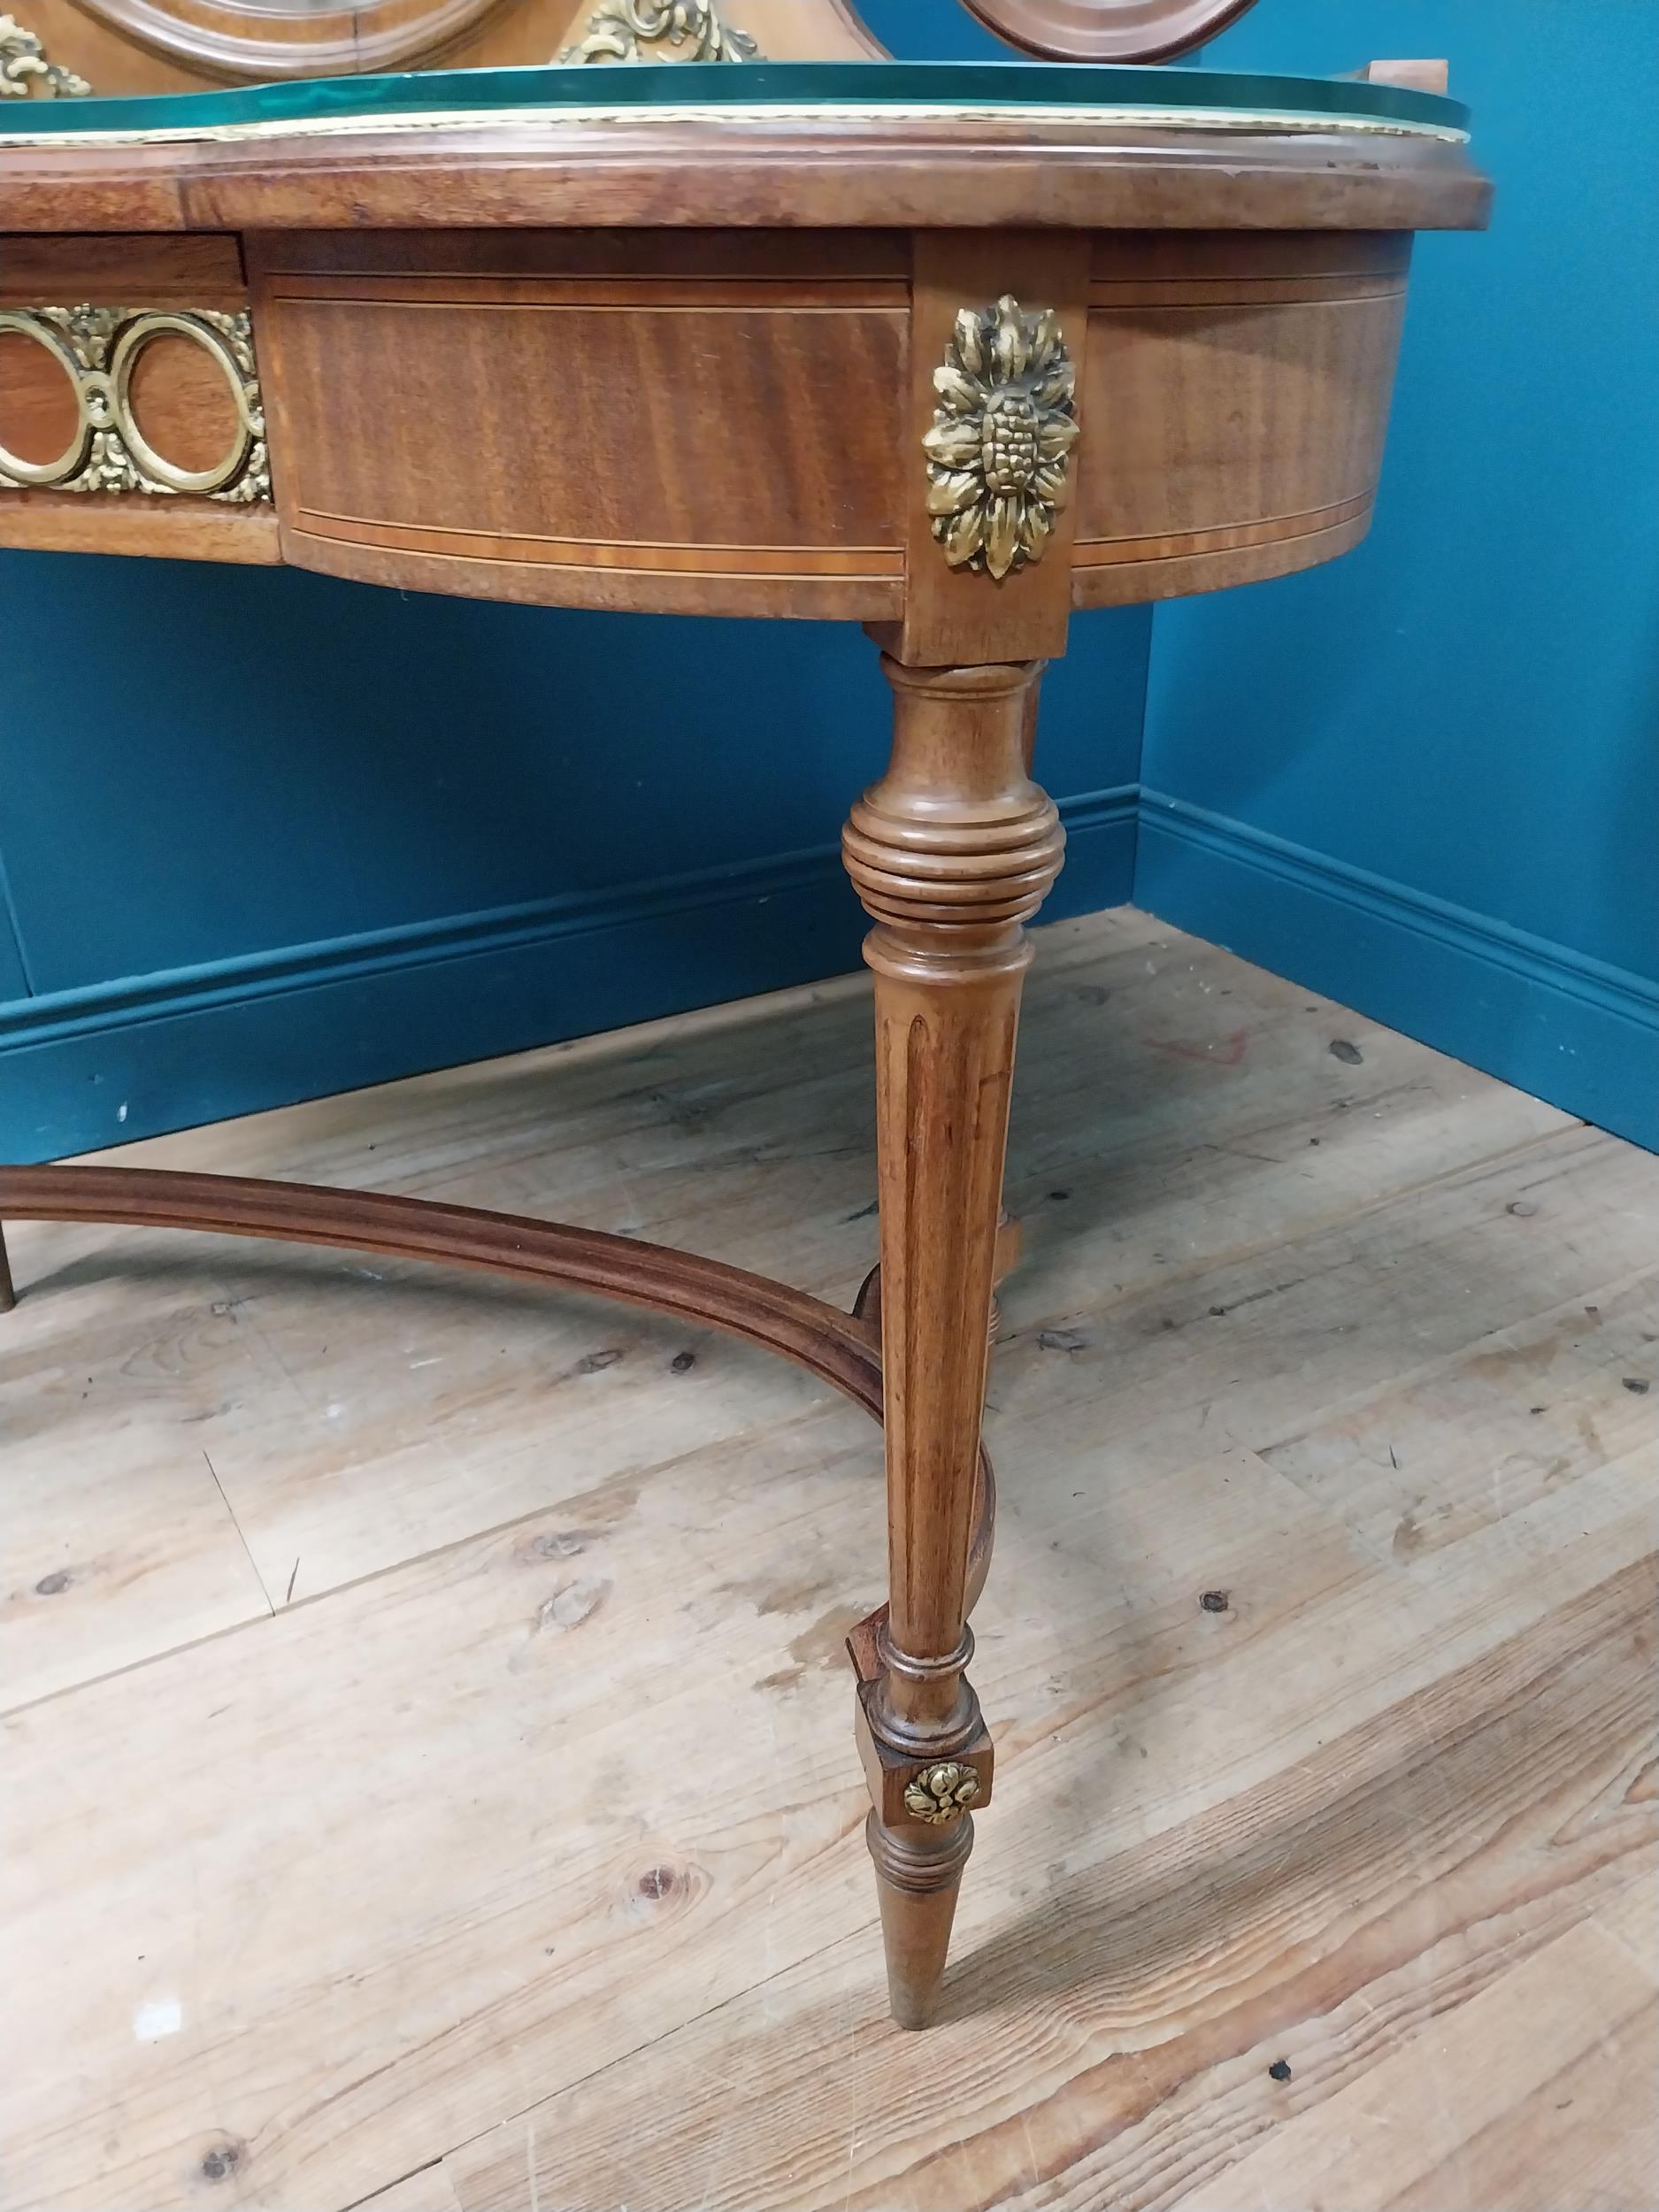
[(429, 1768)]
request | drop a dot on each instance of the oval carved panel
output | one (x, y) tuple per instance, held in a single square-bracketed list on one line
[(183, 404), (117, 399)]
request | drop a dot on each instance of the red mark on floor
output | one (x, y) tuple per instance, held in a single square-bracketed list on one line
[(1227, 1054)]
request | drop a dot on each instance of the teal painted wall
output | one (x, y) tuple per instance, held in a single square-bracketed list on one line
[(266, 835), (1424, 779), (263, 835)]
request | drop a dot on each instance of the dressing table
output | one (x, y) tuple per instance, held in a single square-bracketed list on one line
[(950, 351)]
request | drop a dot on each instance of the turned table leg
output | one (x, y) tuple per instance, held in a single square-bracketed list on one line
[(950, 853)]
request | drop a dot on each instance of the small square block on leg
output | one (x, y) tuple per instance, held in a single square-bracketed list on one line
[(891, 1773)]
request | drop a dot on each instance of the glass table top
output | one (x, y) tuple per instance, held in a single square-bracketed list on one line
[(1195, 98)]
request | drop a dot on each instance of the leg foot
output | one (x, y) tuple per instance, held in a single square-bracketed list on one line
[(919, 1877), (8, 1296)]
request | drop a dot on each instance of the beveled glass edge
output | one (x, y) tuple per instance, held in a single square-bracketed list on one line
[(551, 89)]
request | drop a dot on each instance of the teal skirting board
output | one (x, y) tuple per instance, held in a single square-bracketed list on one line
[(85, 1068), (1576, 1031)]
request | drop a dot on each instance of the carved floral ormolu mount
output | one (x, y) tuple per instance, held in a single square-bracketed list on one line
[(999, 451), (941, 1794), (97, 349), (628, 30), (25, 68)]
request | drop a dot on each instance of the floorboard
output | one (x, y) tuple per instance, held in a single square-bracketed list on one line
[(427, 1759)]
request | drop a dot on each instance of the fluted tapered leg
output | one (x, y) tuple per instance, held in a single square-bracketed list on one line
[(950, 853), (917, 1879)]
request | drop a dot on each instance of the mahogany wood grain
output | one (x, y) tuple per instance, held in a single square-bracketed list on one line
[(918, 1879), (139, 270), (1010, 1243), (1180, 572), (709, 396), (1234, 393), (1154, 268), (165, 528), (982, 171), (633, 558), (1242, 386), (697, 589), (73, 188)]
